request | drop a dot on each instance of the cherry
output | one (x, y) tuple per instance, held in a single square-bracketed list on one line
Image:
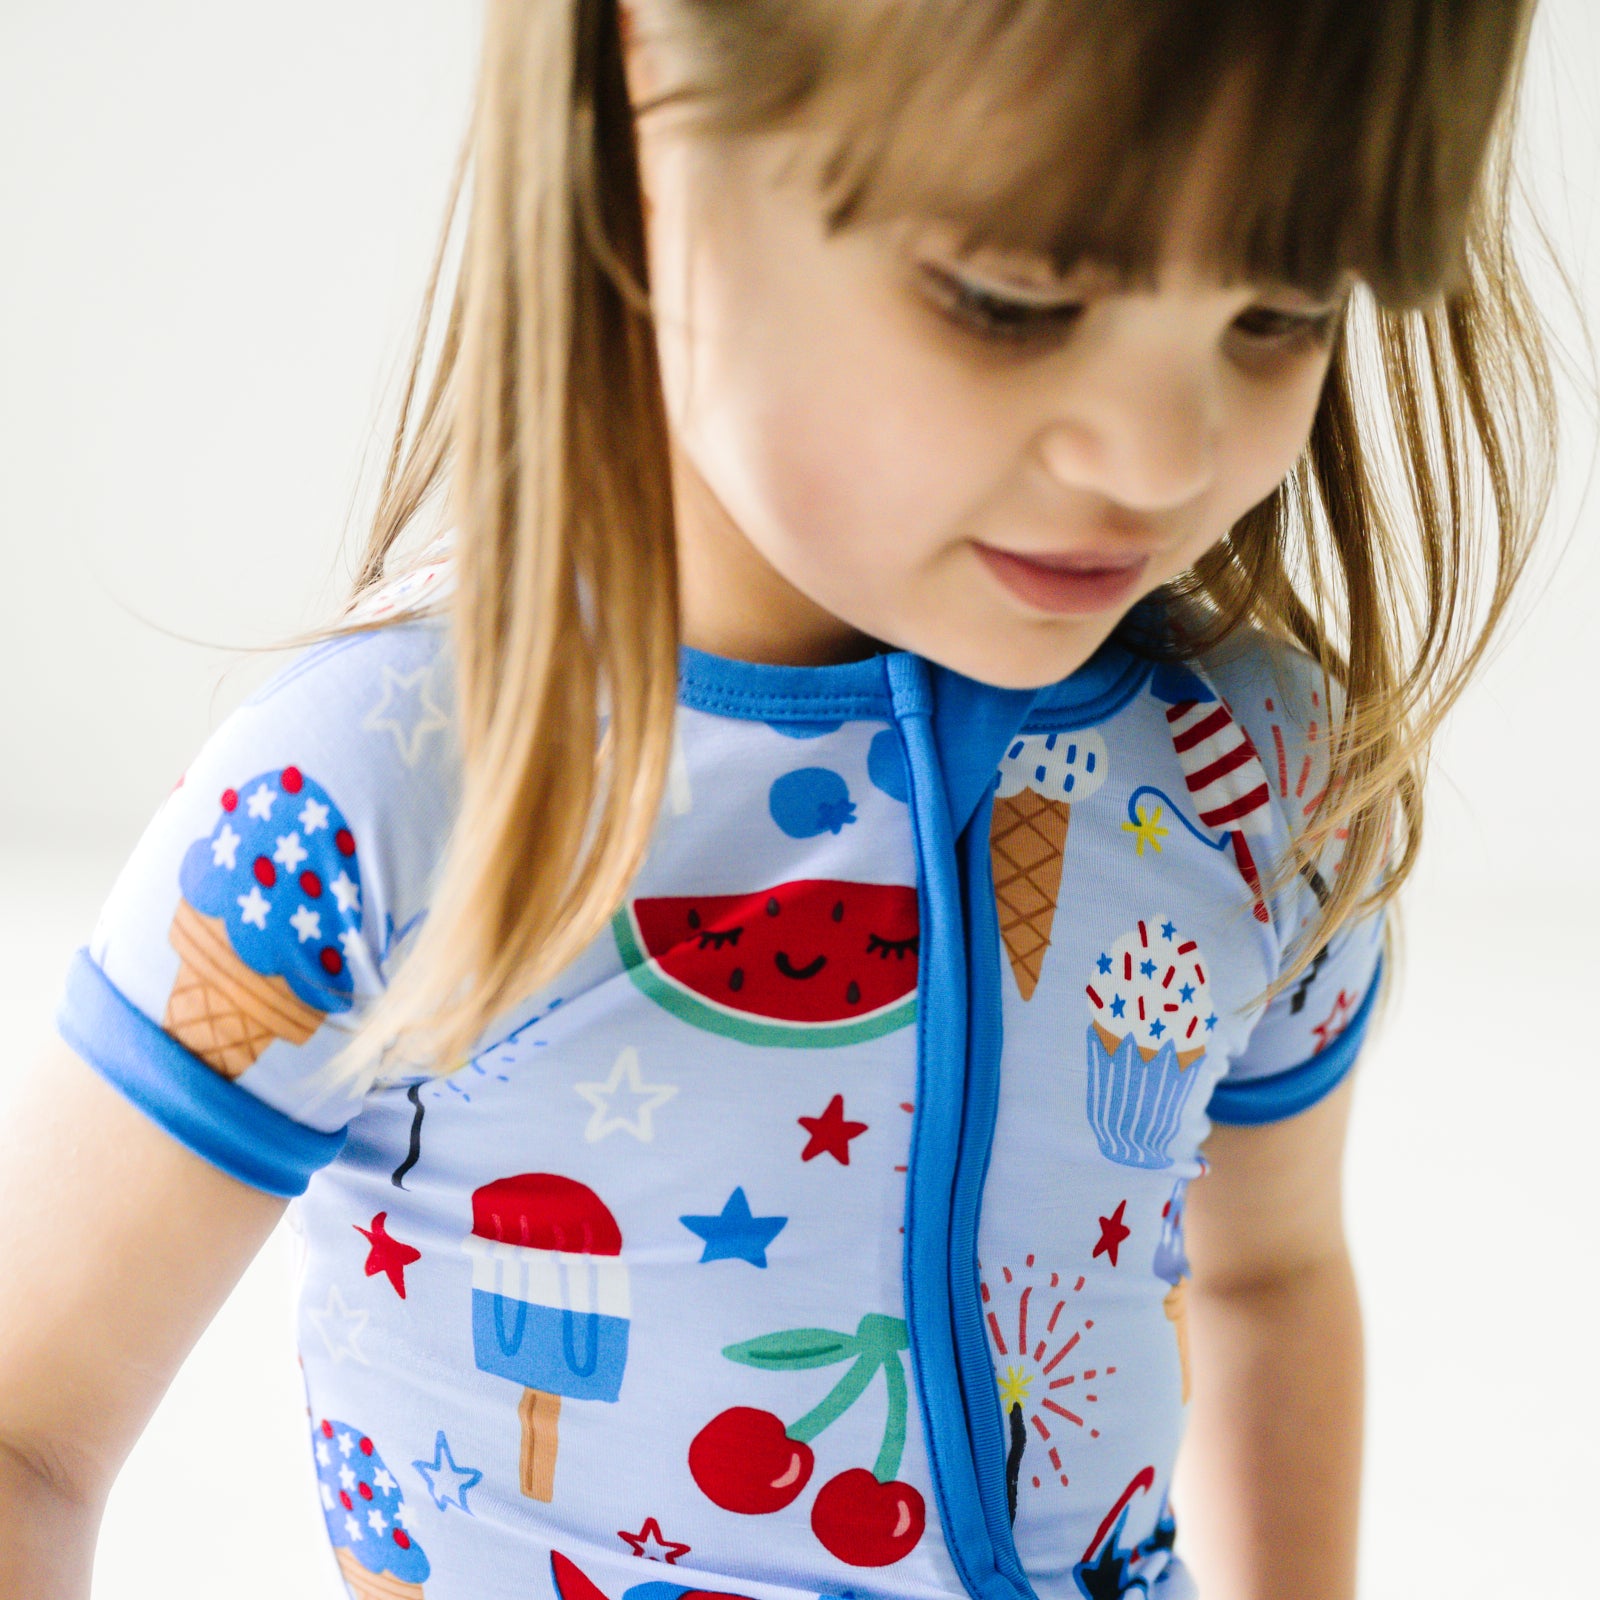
[(744, 1461), (867, 1523)]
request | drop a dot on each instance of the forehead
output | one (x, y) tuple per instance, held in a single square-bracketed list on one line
[(1285, 143)]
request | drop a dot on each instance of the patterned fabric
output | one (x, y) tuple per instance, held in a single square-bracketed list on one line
[(819, 1230)]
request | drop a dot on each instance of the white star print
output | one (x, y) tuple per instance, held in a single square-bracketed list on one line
[(410, 724), (347, 1478), (224, 848), (313, 816), (322, 1452), (352, 1527), (382, 1479), (253, 908), (327, 1497), (348, 894), (377, 1521), (307, 923), (347, 1443), (259, 805), (648, 1098), (340, 1327), (290, 852)]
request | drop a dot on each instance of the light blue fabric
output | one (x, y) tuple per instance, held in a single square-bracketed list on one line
[(832, 1199)]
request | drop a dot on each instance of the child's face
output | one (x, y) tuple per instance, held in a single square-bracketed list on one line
[(853, 466)]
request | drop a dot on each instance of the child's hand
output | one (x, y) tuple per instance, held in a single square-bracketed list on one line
[(118, 1247)]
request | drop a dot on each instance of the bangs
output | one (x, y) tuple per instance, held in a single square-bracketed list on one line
[(1349, 133)]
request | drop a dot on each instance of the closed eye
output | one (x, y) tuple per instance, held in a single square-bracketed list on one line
[(899, 948), (719, 938)]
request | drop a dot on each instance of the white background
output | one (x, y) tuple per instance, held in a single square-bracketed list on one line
[(216, 224)]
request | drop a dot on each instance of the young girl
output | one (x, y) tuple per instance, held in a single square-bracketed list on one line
[(801, 964)]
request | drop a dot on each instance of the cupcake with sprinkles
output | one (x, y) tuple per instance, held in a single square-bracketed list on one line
[(265, 929), (1150, 1014)]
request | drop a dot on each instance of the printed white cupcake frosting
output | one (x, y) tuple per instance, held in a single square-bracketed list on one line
[(1151, 985), (1059, 766)]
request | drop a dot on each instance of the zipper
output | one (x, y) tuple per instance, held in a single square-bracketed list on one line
[(957, 1095)]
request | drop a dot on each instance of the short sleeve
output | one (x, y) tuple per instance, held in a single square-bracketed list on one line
[(267, 902), (1305, 1040)]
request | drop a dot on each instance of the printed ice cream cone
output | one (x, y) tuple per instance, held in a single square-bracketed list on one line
[(1040, 777), (550, 1305), (268, 923), (1150, 1016), (1171, 1265), (365, 1516), (1176, 1306)]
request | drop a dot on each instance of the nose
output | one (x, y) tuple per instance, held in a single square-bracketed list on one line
[(1141, 433)]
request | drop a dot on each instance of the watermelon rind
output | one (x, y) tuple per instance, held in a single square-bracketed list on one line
[(713, 1017)]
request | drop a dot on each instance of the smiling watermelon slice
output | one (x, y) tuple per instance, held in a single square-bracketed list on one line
[(814, 962)]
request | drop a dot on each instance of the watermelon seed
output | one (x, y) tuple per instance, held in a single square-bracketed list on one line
[(853, 993), (773, 908), (736, 979), (838, 910), (694, 918)]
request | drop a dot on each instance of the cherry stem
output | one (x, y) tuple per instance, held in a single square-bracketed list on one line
[(885, 1468), (838, 1399)]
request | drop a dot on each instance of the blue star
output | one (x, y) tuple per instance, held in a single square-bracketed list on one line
[(1157, 1028), (1118, 1006), (1211, 1022), (444, 1466), (735, 1235), (1168, 929), (1186, 993), (1148, 968), (1104, 963)]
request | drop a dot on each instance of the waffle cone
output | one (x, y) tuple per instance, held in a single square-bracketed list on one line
[(540, 1414), (1176, 1306), (1027, 841), (366, 1585), (219, 1008)]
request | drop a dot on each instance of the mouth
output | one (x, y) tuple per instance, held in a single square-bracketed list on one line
[(1066, 583)]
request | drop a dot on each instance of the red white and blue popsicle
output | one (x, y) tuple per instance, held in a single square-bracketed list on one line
[(550, 1307)]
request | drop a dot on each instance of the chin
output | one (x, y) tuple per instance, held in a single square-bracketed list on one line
[(1030, 659)]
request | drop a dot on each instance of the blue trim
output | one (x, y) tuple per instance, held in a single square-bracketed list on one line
[(1096, 692), (938, 1143), (761, 692), (985, 1044), (200, 1108), (1253, 1101)]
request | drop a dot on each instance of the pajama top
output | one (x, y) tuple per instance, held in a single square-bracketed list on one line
[(819, 1230)]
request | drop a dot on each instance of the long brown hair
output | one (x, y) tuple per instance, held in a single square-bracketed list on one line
[(1376, 141)]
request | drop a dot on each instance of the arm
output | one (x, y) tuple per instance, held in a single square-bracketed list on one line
[(1269, 1480), (120, 1245)]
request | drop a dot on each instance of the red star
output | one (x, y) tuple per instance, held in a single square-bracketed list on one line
[(652, 1544), (1335, 1022), (1112, 1232), (831, 1133), (388, 1254)]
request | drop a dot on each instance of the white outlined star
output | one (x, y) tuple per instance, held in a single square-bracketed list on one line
[(409, 723), (340, 1327), (624, 1079)]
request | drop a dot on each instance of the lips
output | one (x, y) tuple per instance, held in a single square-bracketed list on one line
[(1066, 583)]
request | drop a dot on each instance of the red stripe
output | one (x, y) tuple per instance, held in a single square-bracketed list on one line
[(1166, 982), (1178, 712), (1202, 730), (1242, 807), (1089, 990), (1186, 947), (1241, 755)]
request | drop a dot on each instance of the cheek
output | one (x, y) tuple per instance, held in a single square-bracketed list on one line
[(1267, 435)]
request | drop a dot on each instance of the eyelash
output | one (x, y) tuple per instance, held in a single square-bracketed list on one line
[(1015, 322)]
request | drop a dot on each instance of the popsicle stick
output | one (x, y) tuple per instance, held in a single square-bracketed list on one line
[(540, 1414)]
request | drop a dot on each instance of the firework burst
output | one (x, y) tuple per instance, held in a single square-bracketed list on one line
[(1047, 1397)]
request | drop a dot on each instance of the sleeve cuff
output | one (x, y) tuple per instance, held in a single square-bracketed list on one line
[(210, 1114), (1252, 1101)]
